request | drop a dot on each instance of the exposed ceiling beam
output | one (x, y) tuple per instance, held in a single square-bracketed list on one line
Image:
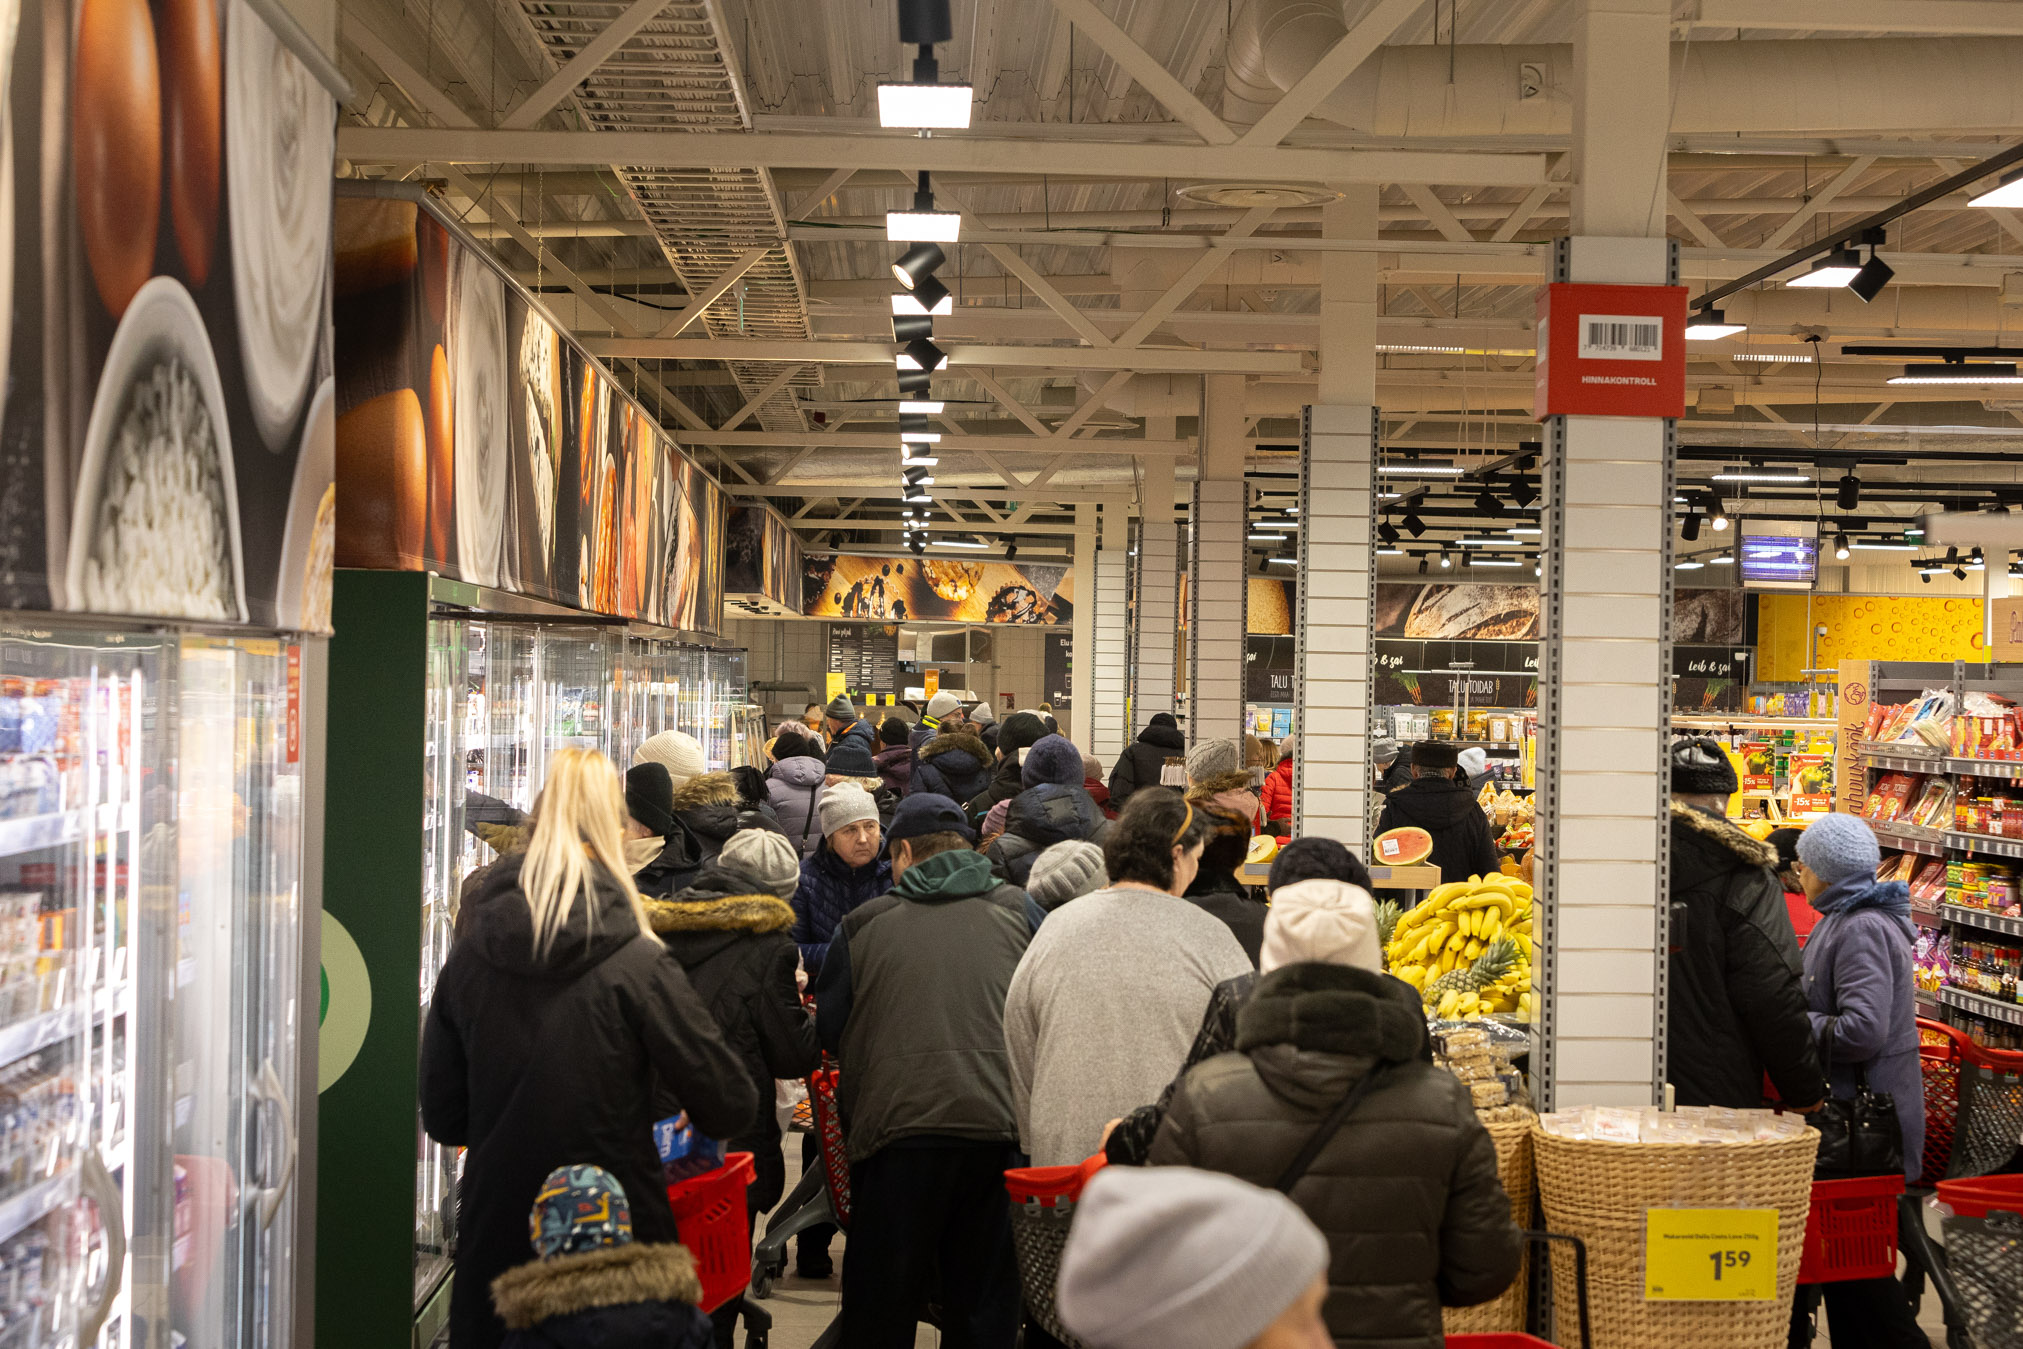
[(419, 89), (1437, 213), (581, 66), (1960, 18), (809, 204), (759, 399), (1009, 403), (1819, 201), (1190, 280), (955, 152), (880, 353), (1695, 226), (889, 440), (1350, 50), (490, 209), (711, 293), (1154, 78)]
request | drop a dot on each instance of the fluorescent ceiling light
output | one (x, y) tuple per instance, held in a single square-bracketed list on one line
[(1959, 372), (921, 437), (1276, 524), (925, 407), (934, 106), (1709, 324), (913, 227), (1483, 543), (1435, 351), (1412, 470), (1525, 533), (1835, 269), (2008, 192), (1688, 565), (1265, 538), (1390, 552), (903, 303), (905, 362), (1761, 477), (1861, 547), (956, 543), (1723, 560), (1788, 358), (1494, 562), (1283, 561)]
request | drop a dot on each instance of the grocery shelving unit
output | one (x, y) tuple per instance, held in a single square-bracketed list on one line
[(1776, 802)]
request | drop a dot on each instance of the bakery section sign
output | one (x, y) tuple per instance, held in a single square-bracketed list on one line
[(475, 440), (166, 417), (934, 589)]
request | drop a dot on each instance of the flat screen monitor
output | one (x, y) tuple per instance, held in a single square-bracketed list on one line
[(1779, 562)]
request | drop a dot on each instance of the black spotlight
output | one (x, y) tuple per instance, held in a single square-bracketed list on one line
[(913, 383), (1422, 566), (1848, 495), (929, 292), (912, 421), (911, 327), (1959, 573), (1873, 276), (1388, 532), (1952, 555), (1840, 548), (1011, 549), (1689, 529), (1522, 492), (1488, 502), (1925, 576), (918, 263), (1414, 524), (926, 353), (923, 23)]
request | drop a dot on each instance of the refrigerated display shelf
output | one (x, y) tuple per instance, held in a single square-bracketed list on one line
[(38, 1032), (1981, 918), (32, 833), (1899, 761), (1980, 1004), (1988, 845), (37, 1202), (1911, 838), (1987, 768)]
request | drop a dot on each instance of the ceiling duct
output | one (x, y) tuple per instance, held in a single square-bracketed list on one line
[(676, 74)]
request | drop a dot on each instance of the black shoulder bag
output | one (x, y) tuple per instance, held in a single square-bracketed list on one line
[(1329, 1127), (1859, 1135)]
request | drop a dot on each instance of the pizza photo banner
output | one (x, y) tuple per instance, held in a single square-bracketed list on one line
[(474, 439), (165, 355), (935, 589)]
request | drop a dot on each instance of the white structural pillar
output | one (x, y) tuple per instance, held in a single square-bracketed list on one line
[(1218, 593), (1605, 657), (1111, 676), (1331, 712), (1082, 646), (1155, 636)]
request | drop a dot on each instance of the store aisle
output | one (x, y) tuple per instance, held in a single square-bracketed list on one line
[(803, 1308)]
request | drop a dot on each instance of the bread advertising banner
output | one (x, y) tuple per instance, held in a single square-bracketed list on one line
[(762, 561), (166, 410), (474, 440), (936, 589)]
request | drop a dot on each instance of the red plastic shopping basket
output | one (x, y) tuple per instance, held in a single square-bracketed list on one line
[(829, 1135), (709, 1213), (1973, 1198), (1851, 1232), (1949, 1060)]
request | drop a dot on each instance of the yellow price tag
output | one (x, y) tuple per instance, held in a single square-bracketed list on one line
[(1710, 1255), (835, 685)]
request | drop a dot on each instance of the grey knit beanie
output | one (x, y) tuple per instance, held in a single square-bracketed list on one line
[(1067, 870), (1214, 759), (1166, 1257), (767, 857), (843, 804), (1839, 846)]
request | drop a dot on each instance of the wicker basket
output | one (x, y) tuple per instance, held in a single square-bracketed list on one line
[(1600, 1192), (1505, 1313)]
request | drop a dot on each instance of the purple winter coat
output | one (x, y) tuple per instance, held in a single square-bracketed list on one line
[(895, 768), (1858, 981), (795, 789)]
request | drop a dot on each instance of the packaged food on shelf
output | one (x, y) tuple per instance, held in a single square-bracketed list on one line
[(1480, 1054), (1928, 882), (1979, 884), (1687, 1124), (1928, 721), (1985, 737), (1934, 806), (1931, 960), (1988, 968), (1891, 796)]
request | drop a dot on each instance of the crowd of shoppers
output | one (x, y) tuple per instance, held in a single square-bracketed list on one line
[(1006, 975)]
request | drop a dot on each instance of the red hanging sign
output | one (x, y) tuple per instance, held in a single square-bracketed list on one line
[(1611, 351)]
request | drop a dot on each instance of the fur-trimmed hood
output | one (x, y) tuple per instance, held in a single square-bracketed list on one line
[(706, 789), (1723, 834), (638, 1272), (721, 913), (1314, 1030), (965, 740)]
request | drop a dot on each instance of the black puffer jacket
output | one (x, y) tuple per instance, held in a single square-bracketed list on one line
[(735, 942), (1143, 761), (1737, 1003), (953, 764), (1220, 894), (1406, 1192), (1021, 731), (1038, 818), (1446, 809), (537, 1061), (637, 1296), (708, 809)]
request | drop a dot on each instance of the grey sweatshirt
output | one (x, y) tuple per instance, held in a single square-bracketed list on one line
[(1102, 1011)]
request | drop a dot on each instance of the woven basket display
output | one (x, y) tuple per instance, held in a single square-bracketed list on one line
[(1600, 1192), (1505, 1313)]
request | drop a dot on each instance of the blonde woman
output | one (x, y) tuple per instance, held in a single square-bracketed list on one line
[(561, 1030)]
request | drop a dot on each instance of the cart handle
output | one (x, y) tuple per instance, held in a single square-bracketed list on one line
[(1579, 1275)]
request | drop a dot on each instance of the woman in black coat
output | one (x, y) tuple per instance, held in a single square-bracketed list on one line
[(561, 1029), (1144, 759)]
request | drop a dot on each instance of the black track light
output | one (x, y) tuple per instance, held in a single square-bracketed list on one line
[(1848, 495), (1414, 524), (1952, 556), (918, 263), (1689, 529), (1959, 573), (1522, 492), (1840, 549), (1388, 532), (1422, 566), (1925, 576), (930, 293), (922, 23), (911, 327), (1873, 276), (1011, 549), (913, 383), (1488, 502), (928, 356), (912, 421)]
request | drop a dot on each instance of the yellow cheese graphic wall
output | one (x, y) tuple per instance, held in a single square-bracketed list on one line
[(1863, 627)]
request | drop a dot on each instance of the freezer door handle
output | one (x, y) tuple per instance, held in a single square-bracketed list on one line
[(97, 1185), (267, 1089)]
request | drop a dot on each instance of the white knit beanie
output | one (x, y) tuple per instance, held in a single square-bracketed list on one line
[(767, 857), (1322, 920), (941, 704), (680, 752), (1166, 1257), (842, 805)]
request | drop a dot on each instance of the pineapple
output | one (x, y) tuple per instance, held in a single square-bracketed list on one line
[(1387, 920), (1494, 962)]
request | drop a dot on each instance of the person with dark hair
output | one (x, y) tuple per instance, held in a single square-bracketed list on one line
[(1316, 858), (1020, 731), (1215, 889), (894, 758), (1736, 996), (1444, 807), (911, 998), (1106, 1001), (1143, 762), (1803, 916)]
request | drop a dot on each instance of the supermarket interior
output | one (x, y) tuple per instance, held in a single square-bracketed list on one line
[(1127, 675)]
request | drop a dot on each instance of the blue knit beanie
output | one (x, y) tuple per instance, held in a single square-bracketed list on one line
[(1839, 846), (1052, 758)]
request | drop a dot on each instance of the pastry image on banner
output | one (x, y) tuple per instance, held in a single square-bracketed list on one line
[(957, 590)]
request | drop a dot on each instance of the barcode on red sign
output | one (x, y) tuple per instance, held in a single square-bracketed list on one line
[(1621, 337)]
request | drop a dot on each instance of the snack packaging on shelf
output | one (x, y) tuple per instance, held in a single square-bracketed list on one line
[(1890, 796), (1687, 1124), (1934, 806)]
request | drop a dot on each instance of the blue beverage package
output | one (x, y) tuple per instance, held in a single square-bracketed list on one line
[(684, 1150)]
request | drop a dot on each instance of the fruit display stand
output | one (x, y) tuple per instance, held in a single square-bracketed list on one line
[(1679, 1235)]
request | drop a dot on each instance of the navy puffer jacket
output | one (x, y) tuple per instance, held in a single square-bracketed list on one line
[(954, 764), (1038, 818), (827, 894)]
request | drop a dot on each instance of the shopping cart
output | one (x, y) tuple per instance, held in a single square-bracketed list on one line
[(710, 1218), (1043, 1200), (1984, 1255), (821, 1197), (1519, 1340), (1973, 1117)]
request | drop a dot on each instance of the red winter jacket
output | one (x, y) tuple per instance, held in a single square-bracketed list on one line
[(1276, 796)]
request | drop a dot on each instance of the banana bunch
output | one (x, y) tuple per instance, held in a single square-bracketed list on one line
[(1466, 947)]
